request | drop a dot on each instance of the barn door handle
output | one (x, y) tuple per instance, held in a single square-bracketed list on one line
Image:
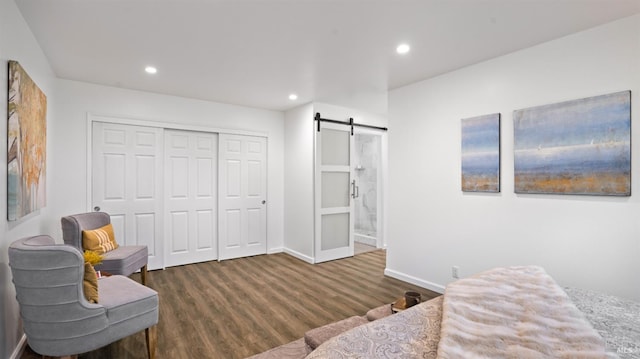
[(355, 190)]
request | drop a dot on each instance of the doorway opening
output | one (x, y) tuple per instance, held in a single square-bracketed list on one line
[(368, 202)]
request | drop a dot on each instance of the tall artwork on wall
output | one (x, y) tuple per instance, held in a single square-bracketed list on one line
[(575, 147), (26, 144), (481, 153)]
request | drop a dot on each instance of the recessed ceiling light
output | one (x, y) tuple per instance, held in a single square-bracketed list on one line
[(403, 48), (293, 97), (150, 70)]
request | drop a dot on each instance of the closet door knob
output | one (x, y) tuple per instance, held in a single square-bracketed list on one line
[(263, 201), (96, 209)]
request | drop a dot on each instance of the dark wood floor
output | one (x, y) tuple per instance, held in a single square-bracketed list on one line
[(240, 307)]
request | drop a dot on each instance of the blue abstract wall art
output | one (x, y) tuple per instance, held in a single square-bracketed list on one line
[(481, 153), (575, 147)]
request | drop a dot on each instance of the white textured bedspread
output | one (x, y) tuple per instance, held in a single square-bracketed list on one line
[(514, 312)]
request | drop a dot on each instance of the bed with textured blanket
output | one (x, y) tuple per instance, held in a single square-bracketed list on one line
[(514, 312)]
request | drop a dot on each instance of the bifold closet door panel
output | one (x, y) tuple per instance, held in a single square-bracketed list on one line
[(242, 217), (191, 203), (126, 182)]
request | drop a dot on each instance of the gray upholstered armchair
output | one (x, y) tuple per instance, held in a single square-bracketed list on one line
[(58, 320), (123, 260)]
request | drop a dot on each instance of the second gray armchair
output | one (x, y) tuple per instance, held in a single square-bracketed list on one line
[(123, 260)]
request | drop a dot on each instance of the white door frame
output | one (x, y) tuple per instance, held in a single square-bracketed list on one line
[(382, 181)]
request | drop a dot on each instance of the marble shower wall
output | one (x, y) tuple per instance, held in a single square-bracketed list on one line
[(367, 159)]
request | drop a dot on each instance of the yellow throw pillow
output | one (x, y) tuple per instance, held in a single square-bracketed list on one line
[(99, 240), (90, 283)]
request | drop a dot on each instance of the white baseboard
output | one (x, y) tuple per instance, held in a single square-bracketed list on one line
[(275, 250), (19, 350), (413, 280), (299, 255)]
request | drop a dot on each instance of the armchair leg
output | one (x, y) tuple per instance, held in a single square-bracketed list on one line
[(151, 337), (143, 274)]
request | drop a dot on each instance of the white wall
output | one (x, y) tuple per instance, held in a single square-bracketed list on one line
[(298, 181), (299, 170), (583, 241), (17, 43), (69, 145)]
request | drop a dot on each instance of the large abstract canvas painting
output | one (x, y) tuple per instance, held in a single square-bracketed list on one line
[(26, 144), (481, 153), (575, 147)]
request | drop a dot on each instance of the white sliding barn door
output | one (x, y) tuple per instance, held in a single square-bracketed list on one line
[(334, 189), (191, 206), (242, 184), (127, 184)]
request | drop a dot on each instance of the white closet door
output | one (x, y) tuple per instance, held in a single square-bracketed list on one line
[(191, 185), (127, 184), (334, 189), (242, 196)]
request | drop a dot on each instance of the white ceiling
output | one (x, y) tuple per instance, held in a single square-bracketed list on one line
[(256, 52)]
